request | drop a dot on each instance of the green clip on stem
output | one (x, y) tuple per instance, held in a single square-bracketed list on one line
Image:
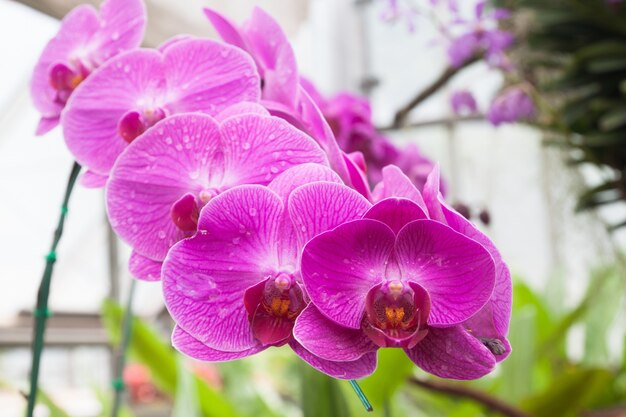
[(41, 312)]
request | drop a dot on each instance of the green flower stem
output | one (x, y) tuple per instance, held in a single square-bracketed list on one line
[(42, 313), (361, 395), (127, 326)]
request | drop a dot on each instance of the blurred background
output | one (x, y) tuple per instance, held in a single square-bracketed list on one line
[(568, 324)]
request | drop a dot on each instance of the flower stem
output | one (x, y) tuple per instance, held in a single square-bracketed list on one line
[(127, 326), (42, 313), (361, 395)]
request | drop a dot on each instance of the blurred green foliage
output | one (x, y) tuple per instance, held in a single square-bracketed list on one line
[(573, 52)]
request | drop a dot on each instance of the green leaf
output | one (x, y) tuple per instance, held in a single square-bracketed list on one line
[(572, 392), (614, 119), (321, 395), (186, 401), (55, 410), (148, 347), (394, 367)]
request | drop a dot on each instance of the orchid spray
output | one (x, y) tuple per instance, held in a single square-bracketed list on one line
[(269, 215)]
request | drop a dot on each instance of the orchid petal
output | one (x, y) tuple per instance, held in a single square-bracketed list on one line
[(395, 212), (328, 340), (360, 368), (192, 347), (396, 184), (340, 266), (208, 76), (92, 180), (144, 268), (318, 207), (175, 157), (244, 107), (91, 117), (205, 277), (74, 33), (457, 272), (259, 148), (452, 353)]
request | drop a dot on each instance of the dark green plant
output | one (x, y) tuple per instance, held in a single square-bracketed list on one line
[(573, 52)]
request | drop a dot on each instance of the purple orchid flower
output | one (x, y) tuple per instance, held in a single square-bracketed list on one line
[(407, 276), (512, 105), (135, 90), (86, 40), (350, 118), (162, 180), (263, 38), (234, 288), (283, 95), (463, 103), (481, 34)]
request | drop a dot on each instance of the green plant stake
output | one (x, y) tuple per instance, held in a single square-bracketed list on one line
[(41, 312), (361, 395)]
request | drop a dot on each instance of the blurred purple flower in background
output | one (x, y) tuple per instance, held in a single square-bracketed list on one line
[(463, 103), (511, 105), (480, 35), (86, 39)]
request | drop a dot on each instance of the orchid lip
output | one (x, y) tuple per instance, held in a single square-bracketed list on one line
[(65, 78), (134, 122), (396, 314), (273, 306)]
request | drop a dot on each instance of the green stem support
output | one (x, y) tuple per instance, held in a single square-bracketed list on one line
[(42, 313)]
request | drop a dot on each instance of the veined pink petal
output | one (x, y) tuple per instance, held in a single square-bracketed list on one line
[(190, 75), (179, 155), (457, 272), (358, 180), (245, 107), (322, 206), (208, 76), (360, 368), (395, 212), (75, 33), (396, 184), (228, 31), (328, 340), (192, 347), (340, 266), (315, 123), (144, 268), (91, 117), (122, 25), (271, 48), (283, 185), (205, 277), (452, 353), (259, 148), (46, 124), (300, 175), (501, 298), (92, 180)]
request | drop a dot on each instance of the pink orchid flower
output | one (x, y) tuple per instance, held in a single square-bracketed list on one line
[(162, 180), (234, 288), (135, 90), (86, 40)]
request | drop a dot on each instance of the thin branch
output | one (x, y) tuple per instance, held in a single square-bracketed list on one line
[(444, 121), (457, 390), (443, 79)]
